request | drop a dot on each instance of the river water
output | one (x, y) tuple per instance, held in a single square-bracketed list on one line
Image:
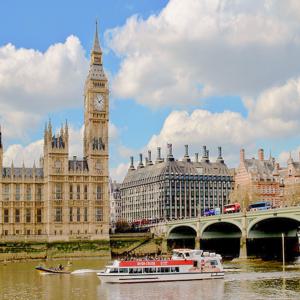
[(251, 280)]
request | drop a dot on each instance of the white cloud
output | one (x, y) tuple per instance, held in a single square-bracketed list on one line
[(33, 83), (113, 131), (284, 156), (118, 173), (196, 48), (228, 129), (19, 154)]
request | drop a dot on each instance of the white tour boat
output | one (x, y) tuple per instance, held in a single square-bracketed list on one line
[(185, 264)]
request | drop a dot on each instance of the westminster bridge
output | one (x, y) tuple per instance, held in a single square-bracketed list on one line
[(250, 233)]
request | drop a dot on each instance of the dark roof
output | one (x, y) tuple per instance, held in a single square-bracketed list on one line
[(18, 172), (176, 167), (262, 168), (78, 165)]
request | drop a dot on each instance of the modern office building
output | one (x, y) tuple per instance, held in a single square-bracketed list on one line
[(174, 189)]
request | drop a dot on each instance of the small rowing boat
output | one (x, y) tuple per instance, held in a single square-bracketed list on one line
[(45, 270)]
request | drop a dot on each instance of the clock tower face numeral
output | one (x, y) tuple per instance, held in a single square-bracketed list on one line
[(99, 102)]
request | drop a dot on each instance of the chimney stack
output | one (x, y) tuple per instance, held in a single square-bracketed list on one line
[(204, 154), (196, 157), (170, 154), (131, 164), (186, 155), (186, 150), (242, 155), (150, 163), (220, 158), (159, 158), (261, 154), (141, 165)]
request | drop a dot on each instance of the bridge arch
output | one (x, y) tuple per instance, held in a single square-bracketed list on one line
[(223, 237), (264, 236), (293, 219), (212, 223), (181, 236), (178, 227)]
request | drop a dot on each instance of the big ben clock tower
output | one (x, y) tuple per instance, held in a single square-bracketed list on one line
[(95, 143), (96, 98)]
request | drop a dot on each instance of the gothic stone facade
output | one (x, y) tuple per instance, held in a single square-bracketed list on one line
[(63, 199), (172, 189)]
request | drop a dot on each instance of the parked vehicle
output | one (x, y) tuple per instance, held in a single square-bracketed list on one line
[(231, 208), (212, 211), (262, 205), (217, 211)]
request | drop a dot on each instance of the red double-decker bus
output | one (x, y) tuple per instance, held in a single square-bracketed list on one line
[(231, 208)]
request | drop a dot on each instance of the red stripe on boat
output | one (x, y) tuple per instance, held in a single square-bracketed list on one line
[(155, 263)]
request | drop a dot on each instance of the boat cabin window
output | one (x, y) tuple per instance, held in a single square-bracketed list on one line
[(114, 270), (178, 254), (187, 254), (150, 270), (136, 270), (174, 269), (123, 270), (164, 270), (213, 263)]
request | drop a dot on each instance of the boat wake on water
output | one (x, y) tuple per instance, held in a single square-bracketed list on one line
[(260, 276), (84, 271)]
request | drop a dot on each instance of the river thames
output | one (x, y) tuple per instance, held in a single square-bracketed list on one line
[(251, 280)]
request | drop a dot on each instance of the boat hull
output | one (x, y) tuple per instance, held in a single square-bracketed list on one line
[(128, 278), (43, 270)]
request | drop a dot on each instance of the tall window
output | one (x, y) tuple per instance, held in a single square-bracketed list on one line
[(39, 215), (99, 214), (17, 215), (18, 191), (78, 214), (28, 215), (39, 192), (6, 192), (71, 191), (78, 192), (6, 215), (28, 192), (71, 214), (85, 192), (98, 192), (58, 191), (58, 214), (85, 214)]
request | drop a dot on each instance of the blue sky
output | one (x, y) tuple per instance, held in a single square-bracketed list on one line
[(196, 71)]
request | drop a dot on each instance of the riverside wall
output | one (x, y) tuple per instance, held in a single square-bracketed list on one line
[(11, 251)]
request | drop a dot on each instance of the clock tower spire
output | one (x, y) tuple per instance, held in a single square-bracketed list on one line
[(96, 103)]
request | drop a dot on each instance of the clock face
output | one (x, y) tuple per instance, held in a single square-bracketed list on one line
[(99, 102)]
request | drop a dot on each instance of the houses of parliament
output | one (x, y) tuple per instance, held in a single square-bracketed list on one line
[(63, 199)]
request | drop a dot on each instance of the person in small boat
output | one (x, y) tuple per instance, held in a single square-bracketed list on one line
[(60, 267)]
